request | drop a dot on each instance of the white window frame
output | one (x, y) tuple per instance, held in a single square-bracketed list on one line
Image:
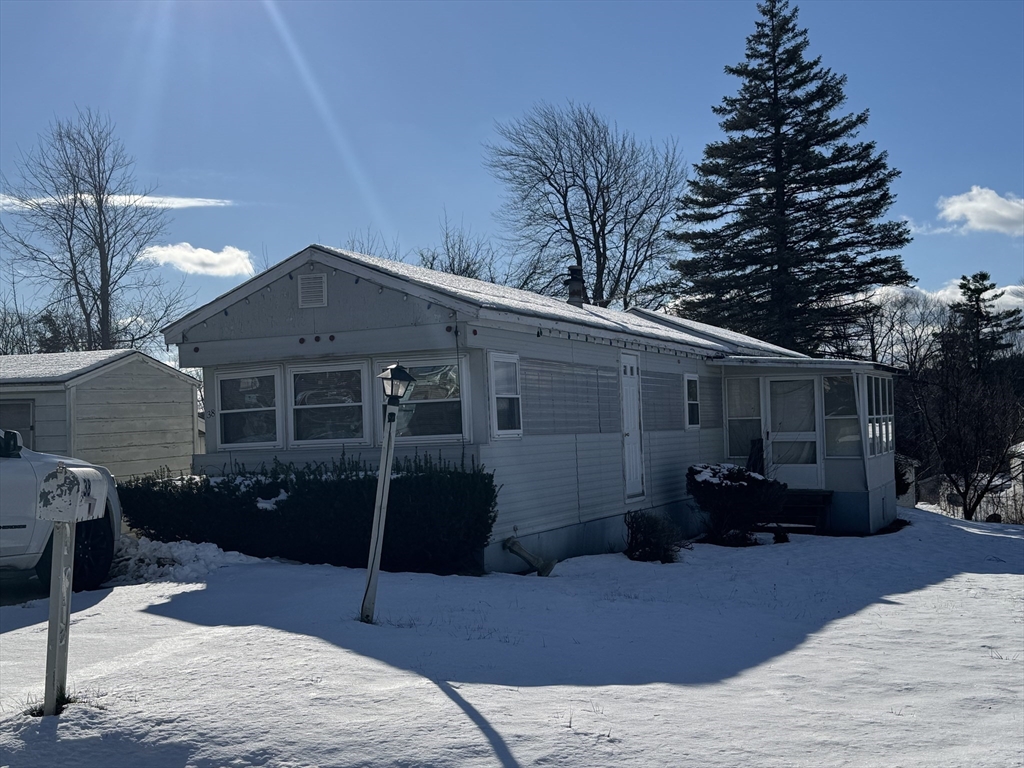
[(761, 394), (279, 393), (687, 378), (366, 405), (379, 364), (504, 357), (879, 420), (826, 417)]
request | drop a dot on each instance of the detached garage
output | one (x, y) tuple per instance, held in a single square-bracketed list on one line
[(118, 408)]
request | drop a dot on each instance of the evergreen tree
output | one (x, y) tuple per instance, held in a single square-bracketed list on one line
[(784, 216), (975, 329)]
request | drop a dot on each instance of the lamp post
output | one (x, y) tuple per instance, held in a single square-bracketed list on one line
[(397, 384)]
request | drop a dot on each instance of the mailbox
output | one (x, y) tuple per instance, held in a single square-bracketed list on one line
[(72, 494), (67, 496)]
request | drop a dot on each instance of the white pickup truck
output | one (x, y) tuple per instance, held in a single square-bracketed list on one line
[(26, 542)]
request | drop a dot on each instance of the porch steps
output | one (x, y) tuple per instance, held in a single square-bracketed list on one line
[(803, 511)]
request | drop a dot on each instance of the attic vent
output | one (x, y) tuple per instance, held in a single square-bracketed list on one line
[(312, 290)]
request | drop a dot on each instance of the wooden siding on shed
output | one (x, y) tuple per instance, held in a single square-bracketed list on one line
[(135, 419)]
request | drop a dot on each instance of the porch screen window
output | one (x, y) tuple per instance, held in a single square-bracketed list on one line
[(692, 402), (248, 408), (505, 400), (842, 427), (434, 409), (743, 402), (880, 415), (327, 404)]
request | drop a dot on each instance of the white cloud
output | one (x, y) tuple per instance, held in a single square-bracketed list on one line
[(152, 201), (984, 210), (8, 203), (1012, 298), (227, 262)]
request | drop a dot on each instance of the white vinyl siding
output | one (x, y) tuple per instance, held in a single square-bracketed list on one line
[(506, 406)]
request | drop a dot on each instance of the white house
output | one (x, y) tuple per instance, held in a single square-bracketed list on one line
[(583, 413), (117, 408)]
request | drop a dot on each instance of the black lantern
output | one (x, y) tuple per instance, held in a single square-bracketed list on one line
[(397, 382)]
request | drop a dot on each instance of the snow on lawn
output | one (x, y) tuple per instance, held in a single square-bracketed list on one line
[(898, 650)]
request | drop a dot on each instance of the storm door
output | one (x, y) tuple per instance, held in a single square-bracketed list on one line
[(632, 443), (793, 453)]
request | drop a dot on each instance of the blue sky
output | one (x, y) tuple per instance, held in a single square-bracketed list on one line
[(312, 122)]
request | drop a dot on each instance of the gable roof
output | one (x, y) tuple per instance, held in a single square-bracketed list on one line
[(479, 299), (62, 367)]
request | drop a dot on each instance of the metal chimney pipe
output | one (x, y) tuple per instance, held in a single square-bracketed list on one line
[(575, 285)]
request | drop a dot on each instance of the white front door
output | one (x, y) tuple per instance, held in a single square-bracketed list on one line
[(792, 449), (632, 443)]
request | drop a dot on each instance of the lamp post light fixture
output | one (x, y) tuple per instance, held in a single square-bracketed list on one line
[(397, 383)]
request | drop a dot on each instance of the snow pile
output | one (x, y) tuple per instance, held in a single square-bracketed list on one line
[(140, 560), (718, 474), (902, 650)]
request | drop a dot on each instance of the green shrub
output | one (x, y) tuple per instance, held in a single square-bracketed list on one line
[(439, 516), (734, 499), (651, 537)]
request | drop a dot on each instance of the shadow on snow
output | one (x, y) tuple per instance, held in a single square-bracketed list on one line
[(606, 620)]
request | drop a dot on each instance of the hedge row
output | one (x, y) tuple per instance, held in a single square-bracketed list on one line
[(439, 516)]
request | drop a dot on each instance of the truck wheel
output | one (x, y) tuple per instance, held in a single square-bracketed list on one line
[(94, 552)]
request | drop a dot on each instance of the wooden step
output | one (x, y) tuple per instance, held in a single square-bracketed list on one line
[(803, 511)]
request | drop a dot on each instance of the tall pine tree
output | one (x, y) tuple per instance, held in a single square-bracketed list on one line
[(784, 218)]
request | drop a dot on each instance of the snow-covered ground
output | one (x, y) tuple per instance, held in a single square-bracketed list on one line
[(898, 650)]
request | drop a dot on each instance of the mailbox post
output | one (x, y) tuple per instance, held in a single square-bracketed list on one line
[(67, 495)]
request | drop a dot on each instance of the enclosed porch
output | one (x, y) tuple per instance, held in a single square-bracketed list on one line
[(817, 425)]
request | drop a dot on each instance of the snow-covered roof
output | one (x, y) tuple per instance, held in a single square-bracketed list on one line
[(737, 342), (487, 301), (806, 362), (55, 367), (61, 367)]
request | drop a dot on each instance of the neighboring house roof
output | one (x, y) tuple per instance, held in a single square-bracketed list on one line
[(481, 299), (63, 367)]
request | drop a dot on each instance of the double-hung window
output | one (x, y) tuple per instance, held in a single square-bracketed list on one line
[(247, 408), (327, 403), (434, 407), (692, 401), (506, 411)]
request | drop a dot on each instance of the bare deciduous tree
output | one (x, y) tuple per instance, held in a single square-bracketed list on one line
[(76, 221), (461, 252), (580, 191)]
